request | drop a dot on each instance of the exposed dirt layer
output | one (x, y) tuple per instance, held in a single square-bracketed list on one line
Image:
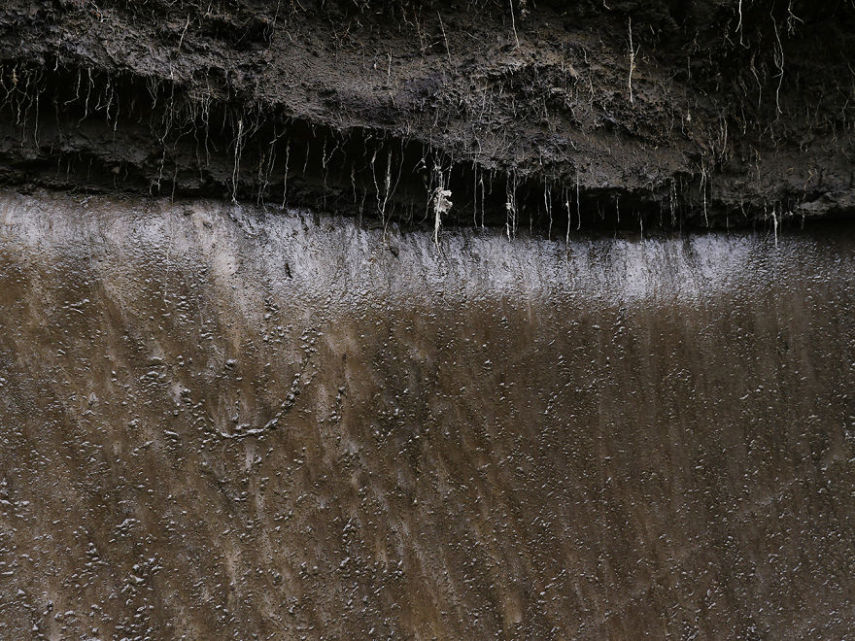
[(705, 113), (217, 423)]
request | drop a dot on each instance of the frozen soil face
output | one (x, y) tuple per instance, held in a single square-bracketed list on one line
[(217, 423), (668, 114)]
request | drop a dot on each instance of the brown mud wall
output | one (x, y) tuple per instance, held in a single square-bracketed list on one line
[(217, 423)]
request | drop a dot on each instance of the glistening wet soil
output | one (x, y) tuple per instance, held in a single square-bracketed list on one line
[(221, 423)]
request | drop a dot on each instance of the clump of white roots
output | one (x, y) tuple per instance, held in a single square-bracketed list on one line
[(441, 205), (511, 206)]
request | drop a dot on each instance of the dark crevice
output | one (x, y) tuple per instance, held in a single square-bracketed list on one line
[(78, 128)]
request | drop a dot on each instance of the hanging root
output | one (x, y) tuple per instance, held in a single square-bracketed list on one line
[(285, 174), (441, 202), (631, 59), (511, 205), (569, 215), (237, 155), (779, 63), (547, 202), (514, 24), (739, 24), (775, 223), (383, 195)]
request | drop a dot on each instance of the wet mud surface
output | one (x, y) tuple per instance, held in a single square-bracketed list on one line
[(226, 424)]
